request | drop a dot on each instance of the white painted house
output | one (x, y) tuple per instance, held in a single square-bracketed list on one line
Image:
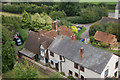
[(80, 60), (117, 10)]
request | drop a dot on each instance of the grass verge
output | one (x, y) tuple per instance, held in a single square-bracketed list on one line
[(81, 31)]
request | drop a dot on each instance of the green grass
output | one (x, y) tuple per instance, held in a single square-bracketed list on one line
[(104, 2), (81, 31), (117, 52), (10, 14)]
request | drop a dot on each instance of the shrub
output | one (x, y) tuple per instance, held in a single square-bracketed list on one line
[(71, 77), (92, 39), (74, 30), (104, 44), (54, 68), (94, 43), (62, 73)]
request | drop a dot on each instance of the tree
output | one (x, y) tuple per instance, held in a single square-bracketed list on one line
[(92, 39), (8, 51), (57, 14), (25, 20), (26, 72), (74, 30), (41, 21)]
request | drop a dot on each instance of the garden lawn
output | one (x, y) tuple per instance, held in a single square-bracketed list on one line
[(111, 11), (117, 52), (81, 31)]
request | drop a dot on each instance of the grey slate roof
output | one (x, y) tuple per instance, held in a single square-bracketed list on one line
[(94, 58), (118, 6)]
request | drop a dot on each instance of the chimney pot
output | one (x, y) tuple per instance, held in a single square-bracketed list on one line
[(54, 25), (81, 52), (73, 37)]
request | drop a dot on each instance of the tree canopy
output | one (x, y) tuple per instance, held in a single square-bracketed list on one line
[(8, 51)]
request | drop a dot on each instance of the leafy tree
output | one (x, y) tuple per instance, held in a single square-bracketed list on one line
[(26, 20), (41, 21), (26, 72), (74, 30), (8, 51), (57, 14)]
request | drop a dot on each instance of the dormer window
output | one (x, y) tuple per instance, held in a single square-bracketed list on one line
[(52, 54)]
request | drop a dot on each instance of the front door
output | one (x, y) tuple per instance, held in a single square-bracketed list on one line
[(57, 66)]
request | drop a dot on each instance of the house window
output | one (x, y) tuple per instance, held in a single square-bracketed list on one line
[(70, 72), (60, 57), (52, 62), (116, 65), (82, 77), (76, 74), (106, 73), (76, 65), (115, 74), (52, 54), (82, 68)]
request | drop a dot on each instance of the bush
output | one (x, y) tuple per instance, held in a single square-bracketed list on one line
[(74, 29), (71, 77), (94, 43), (62, 73), (104, 44), (92, 39), (54, 68)]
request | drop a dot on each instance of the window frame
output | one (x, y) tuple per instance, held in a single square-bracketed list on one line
[(70, 73), (52, 62), (75, 64), (105, 73), (82, 69), (116, 66), (115, 74), (60, 57), (51, 54), (76, 75)]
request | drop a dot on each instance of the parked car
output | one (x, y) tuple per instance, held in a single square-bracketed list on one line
[(18, 40)]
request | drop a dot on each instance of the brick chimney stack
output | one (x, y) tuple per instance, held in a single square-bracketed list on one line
[(54, 25), (82, 52), (73, 37)]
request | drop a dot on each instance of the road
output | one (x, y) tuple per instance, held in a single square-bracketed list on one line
[(86, 33)]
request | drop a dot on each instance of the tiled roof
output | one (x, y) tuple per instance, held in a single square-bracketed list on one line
[(65, 31), (104, 37), (94, 59), (51, 34)]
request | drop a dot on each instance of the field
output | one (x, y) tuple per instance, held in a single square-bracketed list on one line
[(10, 14)]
